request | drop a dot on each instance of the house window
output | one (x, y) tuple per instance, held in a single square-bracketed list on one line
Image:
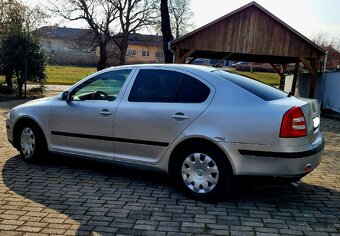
[(159, 54), (145, 53), (131, 52)]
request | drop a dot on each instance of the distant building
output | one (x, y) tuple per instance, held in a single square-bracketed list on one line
[(67, 46), (70, 46), (144, 49)]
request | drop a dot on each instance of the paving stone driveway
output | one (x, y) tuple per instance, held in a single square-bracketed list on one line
[(75, 197)]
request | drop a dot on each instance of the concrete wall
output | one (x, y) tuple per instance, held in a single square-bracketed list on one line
[(327, 89), (63, 53)]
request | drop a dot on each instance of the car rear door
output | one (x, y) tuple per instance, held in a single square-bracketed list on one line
[(160, 105)]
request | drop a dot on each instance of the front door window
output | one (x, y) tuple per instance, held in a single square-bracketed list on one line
[(105, 86)]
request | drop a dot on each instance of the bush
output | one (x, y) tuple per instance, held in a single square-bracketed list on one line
[(4, 89), (262, 68), (256, 68)]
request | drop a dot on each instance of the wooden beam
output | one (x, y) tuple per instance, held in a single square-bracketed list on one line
[(307, 65), (315, 64), (296, 71), (192, 59), (312, 68), (180, 58), (281, 73)]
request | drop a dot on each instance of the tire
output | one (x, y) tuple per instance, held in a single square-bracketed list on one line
[(203, 172), (32, 144)]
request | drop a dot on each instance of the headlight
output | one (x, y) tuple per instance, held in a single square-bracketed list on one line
[(8, 115)]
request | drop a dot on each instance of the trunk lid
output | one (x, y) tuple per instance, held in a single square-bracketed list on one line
[(311, 112)]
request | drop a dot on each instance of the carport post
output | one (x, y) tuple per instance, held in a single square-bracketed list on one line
[(281, 73), (311, 65), (296, 71)]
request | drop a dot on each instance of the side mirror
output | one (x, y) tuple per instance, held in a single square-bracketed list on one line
[(65, 96)]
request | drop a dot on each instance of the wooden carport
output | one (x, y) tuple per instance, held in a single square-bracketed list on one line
[(251, 33)]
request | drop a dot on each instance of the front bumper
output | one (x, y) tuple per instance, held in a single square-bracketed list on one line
[(9, 130), (277, 164)]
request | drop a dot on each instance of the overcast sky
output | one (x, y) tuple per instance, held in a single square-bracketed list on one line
[(306, 16)]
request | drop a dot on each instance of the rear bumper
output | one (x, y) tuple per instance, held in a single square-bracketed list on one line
[(278, 164), (293, 155)]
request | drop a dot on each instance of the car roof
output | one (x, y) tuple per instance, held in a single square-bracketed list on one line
[(189, 67)]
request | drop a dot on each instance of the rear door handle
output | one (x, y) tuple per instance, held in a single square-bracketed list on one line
[(105, 112), (180, 116)]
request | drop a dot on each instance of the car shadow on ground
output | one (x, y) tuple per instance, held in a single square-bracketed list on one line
[(99, 195)]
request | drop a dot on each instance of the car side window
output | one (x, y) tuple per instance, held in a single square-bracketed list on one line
[(167, 86), (105, 86)]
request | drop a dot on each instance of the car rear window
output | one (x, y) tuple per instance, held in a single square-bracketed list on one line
[(255, 87)]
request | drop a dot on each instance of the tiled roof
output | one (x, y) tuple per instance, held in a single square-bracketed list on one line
[(74, 33)]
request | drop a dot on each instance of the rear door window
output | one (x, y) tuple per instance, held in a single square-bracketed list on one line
[(167, 86)]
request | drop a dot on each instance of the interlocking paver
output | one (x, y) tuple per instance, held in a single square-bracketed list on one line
[(68, 196)]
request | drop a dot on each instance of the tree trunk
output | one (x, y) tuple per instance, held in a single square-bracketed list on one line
[(9, 82), (19, 83), (123, 49), (166, 31), (101, 65)]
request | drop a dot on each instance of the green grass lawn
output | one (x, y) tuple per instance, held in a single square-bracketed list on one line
[(272, 79), (72, 74), (67, 74)]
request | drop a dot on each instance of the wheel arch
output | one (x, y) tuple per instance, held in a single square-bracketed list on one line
[(19, 123), (196, 141)]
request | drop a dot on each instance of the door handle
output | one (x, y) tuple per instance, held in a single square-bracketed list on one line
[(105, 112), (180, 116)]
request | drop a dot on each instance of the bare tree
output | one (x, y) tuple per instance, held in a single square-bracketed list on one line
[(99, 16), (320, 38), (180, 16), (331, 45), (110, 21), (166, 31), (32, 17), (133, 15)]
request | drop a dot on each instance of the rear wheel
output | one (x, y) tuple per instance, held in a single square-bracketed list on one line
[(32, 144), (203, 172)]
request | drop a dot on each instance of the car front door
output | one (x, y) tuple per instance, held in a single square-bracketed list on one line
[(83, 123), (160, 105)]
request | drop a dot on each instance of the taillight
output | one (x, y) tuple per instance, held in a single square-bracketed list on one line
[(293, 124)]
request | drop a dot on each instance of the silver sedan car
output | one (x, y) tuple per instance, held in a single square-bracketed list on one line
[(200, 125)]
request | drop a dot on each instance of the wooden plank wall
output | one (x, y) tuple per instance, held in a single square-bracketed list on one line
[(250, 31)]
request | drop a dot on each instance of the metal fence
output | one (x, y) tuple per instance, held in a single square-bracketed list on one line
[(327, 89)]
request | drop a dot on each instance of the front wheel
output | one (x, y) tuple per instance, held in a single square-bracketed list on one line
[(32, 143), (203, 172)]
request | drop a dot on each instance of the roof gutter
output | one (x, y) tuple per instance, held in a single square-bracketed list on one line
[(172, 51), (323, 79)]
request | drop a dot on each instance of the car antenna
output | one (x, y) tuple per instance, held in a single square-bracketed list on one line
[(216, 65)]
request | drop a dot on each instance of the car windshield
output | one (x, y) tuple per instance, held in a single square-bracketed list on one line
[(261, 90)]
